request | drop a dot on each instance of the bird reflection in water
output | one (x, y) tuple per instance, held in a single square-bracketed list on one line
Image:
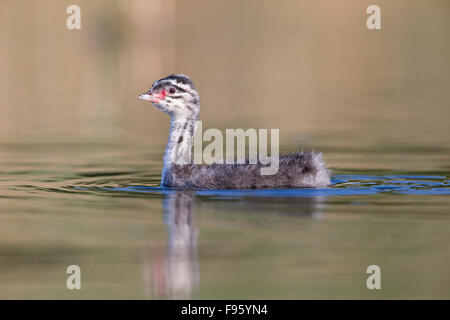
[(171, 271)]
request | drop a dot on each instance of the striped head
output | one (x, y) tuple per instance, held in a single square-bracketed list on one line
[(174, 95)]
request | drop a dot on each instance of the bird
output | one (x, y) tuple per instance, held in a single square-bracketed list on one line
[(176, 96)]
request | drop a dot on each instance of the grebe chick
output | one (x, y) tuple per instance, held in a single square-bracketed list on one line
[(176, 96)]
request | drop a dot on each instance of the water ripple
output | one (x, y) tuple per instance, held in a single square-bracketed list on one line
[(342, 185)]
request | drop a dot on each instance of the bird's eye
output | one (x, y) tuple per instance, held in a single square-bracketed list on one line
[(172, 90)]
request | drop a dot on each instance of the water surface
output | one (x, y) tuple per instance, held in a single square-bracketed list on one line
[(80, 155), (100, 207)]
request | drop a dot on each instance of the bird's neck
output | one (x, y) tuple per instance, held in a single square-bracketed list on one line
[(179, 144)]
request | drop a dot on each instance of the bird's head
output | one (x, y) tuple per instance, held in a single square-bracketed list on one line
[(174, 95)]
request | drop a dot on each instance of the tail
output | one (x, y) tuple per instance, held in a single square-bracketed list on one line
[(323, 172)]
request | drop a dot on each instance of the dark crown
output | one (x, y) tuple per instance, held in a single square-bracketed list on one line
[(180, 78)]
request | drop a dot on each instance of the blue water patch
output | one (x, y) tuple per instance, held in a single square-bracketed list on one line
[(416, 177), (434, 191), (342, 185)]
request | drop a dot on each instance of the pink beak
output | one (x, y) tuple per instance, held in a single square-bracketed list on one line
[(152, 97), (148, 96)]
